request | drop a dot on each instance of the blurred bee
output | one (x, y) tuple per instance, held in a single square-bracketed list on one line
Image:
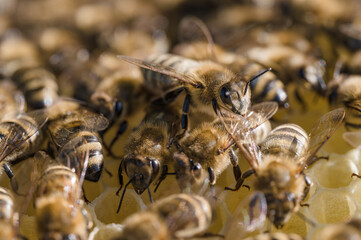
[(344, 91), (208, 148), (279, 163), (348, 230), (7, 214), (147, 152), (20, 137), (177, 216), (201, 48), (56, 185), (12, 101), (68, 120), (38, 84), (276, 236), (250, 215), (291, 64), (116, 97), (208, 85)]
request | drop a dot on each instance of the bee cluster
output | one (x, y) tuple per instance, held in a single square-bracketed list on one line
[(136, 119)]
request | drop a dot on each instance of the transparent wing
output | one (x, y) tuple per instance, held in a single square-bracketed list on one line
[(159, 68), (81, 119), (193, 33), (75, 155), (352, 138), (21, 129), (249, 215), (28, 173), (321, 131)]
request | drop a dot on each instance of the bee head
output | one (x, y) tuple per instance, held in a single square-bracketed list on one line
[(187, 172), (280, 207), (234, 97), (143, 170)]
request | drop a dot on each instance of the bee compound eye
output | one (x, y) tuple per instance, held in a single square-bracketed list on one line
[(225, 95), (118, 108)]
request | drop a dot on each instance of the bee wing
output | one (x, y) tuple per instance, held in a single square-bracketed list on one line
[(194, 30), (352, 138), (30, 170), (32, 123), (239, 130), (249, 215), (159, 68), (321, 131), (87, 120)]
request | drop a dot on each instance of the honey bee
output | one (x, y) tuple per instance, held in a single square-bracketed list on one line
[(68, 120), (7, 214), (12, 101), (20, 137), (344, 91), (38, 84), (200, 46), (147, 152), (279, 163), (291, 64), (208, 85), (175, 217), (208, 148), (59, 209), (116, 97)]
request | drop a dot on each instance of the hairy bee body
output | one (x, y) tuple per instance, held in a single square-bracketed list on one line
[(6, 214), (12, 101), (146, 151), (265, 88), (58, 214), (291, 64), (39, 86), (176, 216), (23, 134), (72, 125), (345, 92)]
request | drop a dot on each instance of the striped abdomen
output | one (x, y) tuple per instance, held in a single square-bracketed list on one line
[(288, 140), (17, 134), (267, 87), (39, 86), (72, 127), (159, 83), (58, 179), (185, 214), (276, 236)]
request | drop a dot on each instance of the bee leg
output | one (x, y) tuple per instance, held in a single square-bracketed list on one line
[(315, 159), (122, 127), (308, 185), (300, 100), (234, 160), (304, 205), (162, 176), (168, 98), (356, 175), (212, 182), (240, 181), (120, 175), (84, 196), (8, 170), (184, 118)]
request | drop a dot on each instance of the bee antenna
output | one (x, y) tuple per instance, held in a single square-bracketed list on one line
[(150, 195), (125, 188), (254, 78)]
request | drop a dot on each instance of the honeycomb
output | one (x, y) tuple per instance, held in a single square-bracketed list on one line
[(334, 197)]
